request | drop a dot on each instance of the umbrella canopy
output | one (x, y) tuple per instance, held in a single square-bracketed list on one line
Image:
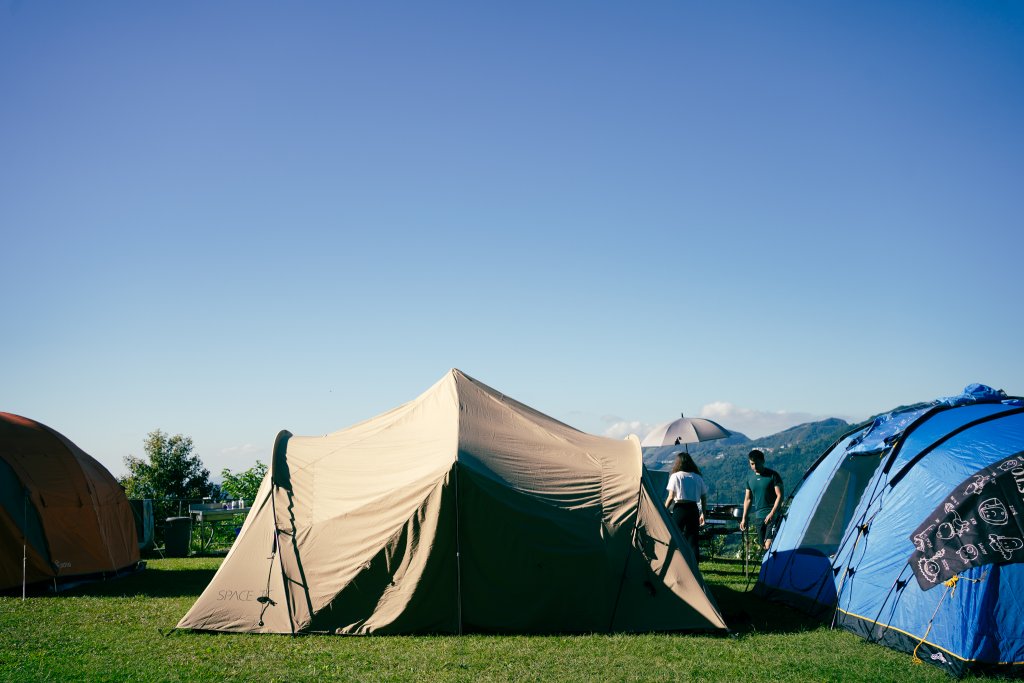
[(685, 430)]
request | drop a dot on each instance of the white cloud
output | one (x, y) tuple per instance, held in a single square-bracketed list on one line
[(754, 423), (242, 457), (619, 429)]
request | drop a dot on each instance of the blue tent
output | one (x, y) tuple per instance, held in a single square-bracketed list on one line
[(909, 531)]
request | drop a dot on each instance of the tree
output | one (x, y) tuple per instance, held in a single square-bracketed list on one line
[(243, 485), (170, 470)]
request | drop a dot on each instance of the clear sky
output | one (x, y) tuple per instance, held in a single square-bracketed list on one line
[(224, 219)]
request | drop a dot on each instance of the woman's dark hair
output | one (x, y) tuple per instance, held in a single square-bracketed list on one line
[(685, 463)]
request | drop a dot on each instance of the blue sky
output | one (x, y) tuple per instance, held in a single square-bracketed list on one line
[(227, 219)]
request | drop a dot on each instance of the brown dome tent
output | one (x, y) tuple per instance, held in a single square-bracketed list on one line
[(62, 514), (460, 511)]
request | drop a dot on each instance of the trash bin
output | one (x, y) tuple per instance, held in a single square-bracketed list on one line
[(177, 536)]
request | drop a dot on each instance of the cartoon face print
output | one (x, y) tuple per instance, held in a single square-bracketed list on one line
[(969, 553), (980, 480), (955, 527), (994, 512), (930, 567), (1006, 545), (921, 540)]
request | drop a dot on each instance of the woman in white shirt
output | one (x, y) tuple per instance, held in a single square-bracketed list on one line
[(685, 488)]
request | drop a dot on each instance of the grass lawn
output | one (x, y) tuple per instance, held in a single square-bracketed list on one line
[(113, 631)]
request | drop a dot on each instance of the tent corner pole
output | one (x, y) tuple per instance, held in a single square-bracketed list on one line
[(279, 446)]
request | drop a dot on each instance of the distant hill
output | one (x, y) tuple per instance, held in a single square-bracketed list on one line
[(724, 462)]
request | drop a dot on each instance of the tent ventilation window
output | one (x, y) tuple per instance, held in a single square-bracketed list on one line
[(834, 512)]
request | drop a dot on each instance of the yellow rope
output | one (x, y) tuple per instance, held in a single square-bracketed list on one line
[(950, 589)]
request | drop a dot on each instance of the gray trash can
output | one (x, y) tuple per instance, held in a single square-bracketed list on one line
[(177, 536)]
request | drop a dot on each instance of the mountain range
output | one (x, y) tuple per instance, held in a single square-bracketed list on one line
[(723, 462)]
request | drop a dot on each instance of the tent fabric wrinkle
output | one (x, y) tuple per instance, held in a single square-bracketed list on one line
[(460, 511)]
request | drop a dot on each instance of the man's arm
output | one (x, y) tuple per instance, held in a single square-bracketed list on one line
[(776, 504), (746, 508)]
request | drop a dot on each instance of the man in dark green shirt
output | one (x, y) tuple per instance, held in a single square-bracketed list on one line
[(762, 499)]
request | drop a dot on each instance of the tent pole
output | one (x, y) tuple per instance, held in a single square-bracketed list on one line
[(277, 532), (280, 559), (458, 550)]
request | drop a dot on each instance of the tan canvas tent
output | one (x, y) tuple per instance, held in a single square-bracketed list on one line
[(460, 511), (62, 514)]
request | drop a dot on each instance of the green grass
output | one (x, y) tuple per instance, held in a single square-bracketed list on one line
[(114, 631)]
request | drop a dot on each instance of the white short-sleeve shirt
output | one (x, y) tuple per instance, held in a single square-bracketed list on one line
[(687, 486)]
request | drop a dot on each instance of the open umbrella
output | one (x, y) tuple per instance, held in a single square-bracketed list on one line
[(685, 430)]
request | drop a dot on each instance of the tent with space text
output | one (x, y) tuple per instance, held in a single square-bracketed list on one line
[(460, 511), (909, 531)]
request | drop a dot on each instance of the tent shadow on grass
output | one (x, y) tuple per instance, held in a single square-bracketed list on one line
[(151, 583), (745, 612)]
